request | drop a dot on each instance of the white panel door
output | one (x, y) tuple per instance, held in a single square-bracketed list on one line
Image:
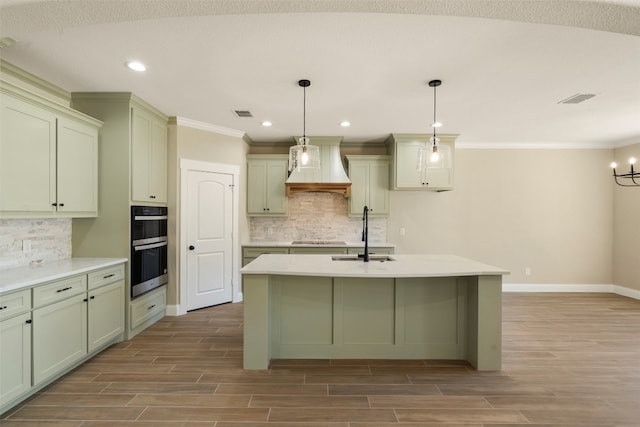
[(209, 237)]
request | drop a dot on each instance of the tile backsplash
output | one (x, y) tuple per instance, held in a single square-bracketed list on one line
[(50, 240), (316, 216)]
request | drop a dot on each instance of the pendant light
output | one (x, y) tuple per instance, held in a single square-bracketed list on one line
[(302, 155), (434, 140), (434, 155)]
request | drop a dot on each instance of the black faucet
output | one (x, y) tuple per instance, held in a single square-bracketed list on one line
[(365, 234)]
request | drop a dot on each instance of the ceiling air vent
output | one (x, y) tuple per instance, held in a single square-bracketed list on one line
[(243, 113), (577, 98)]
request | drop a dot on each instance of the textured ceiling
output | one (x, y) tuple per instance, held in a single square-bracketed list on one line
[(505, 65)]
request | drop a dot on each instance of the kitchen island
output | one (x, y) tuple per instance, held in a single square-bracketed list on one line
[(394, 307)]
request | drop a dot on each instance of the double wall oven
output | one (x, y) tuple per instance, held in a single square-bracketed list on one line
[(148, 248)]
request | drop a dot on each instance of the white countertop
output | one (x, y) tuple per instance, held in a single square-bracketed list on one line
[(402, 266), (290, 244), (23, 277)]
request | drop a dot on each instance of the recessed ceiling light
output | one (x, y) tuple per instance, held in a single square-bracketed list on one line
[(136, 66), (345, 124), (266, 123)]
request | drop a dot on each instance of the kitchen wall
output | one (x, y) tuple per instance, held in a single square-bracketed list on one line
[(547, 210), (50, 241), (316, 216), (626, 230)]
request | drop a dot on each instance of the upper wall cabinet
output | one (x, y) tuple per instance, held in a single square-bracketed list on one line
[(369, 177), (432, 176), (148, 157), (48, 158), (266, 176), (133, 157)]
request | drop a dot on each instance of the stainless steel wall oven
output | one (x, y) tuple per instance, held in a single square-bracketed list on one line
[(148, 248)]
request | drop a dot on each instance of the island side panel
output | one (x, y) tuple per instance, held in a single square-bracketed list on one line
[(484, 323), (256, 321)]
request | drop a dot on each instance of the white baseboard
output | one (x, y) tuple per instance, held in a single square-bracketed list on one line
[(172, 310), (546, 287)]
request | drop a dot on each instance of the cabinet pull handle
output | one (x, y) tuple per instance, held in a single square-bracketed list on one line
[(61, 204), (149, 308), (152, 197), (109, 275), (64, 289), (85, 300), (28, 321), (4, 307), (54, 204), (92, 297)]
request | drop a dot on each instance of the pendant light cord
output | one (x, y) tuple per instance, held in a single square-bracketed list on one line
[(434, 111), (304, 111)]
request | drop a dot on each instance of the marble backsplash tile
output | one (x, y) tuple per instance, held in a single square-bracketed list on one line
[(50, 240), (316, 216)]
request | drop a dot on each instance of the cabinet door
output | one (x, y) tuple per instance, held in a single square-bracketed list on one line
[(359, 176), (276, 178), (266, 187), (77, 167), (15, 357), (148, 157), (407, 173), (379, 188), (105, 314), (256, 187), (158, 162), (27, 157), (59, 337)]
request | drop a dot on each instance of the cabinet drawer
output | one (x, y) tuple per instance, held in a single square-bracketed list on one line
[(147, 306), (256, 252), (105, 276), (59, 290), (15, 303)]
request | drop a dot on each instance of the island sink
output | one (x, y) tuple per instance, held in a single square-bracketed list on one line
[(380, 258)]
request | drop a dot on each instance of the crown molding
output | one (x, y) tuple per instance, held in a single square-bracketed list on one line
[(194, 124), (533, 145)]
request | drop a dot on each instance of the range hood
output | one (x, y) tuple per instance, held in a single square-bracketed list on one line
[(330, 178)]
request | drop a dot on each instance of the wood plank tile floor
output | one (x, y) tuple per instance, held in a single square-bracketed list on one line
[(568, 360)]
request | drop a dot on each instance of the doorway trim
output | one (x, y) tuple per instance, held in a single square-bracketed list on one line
[(187, 165)]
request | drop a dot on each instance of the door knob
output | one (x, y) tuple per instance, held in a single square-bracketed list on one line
[(191, 247)]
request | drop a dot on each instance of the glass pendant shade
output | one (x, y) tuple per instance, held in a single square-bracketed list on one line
[(304, 156)]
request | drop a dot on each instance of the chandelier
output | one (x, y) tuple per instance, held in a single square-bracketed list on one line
[(630, 179)]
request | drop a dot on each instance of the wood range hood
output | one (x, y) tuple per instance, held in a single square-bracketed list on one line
[(330, 178)]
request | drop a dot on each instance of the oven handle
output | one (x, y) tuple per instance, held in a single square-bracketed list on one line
[(149, 218), (144, 247)]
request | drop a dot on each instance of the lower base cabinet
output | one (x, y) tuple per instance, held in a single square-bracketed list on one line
[(15, 357), (69, 320), (59, 337), (105, 315), (148, 309)]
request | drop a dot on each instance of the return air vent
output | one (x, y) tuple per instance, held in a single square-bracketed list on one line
[(577, 98), (243, 113)]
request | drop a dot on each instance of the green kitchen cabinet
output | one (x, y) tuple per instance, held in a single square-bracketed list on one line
[(148, 308), (266, 177), (369, 177), (432, 176), (15, 354), (50, 327), (48, 158), (59, 337), (148, 156), (249, 253), (105, 312)]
